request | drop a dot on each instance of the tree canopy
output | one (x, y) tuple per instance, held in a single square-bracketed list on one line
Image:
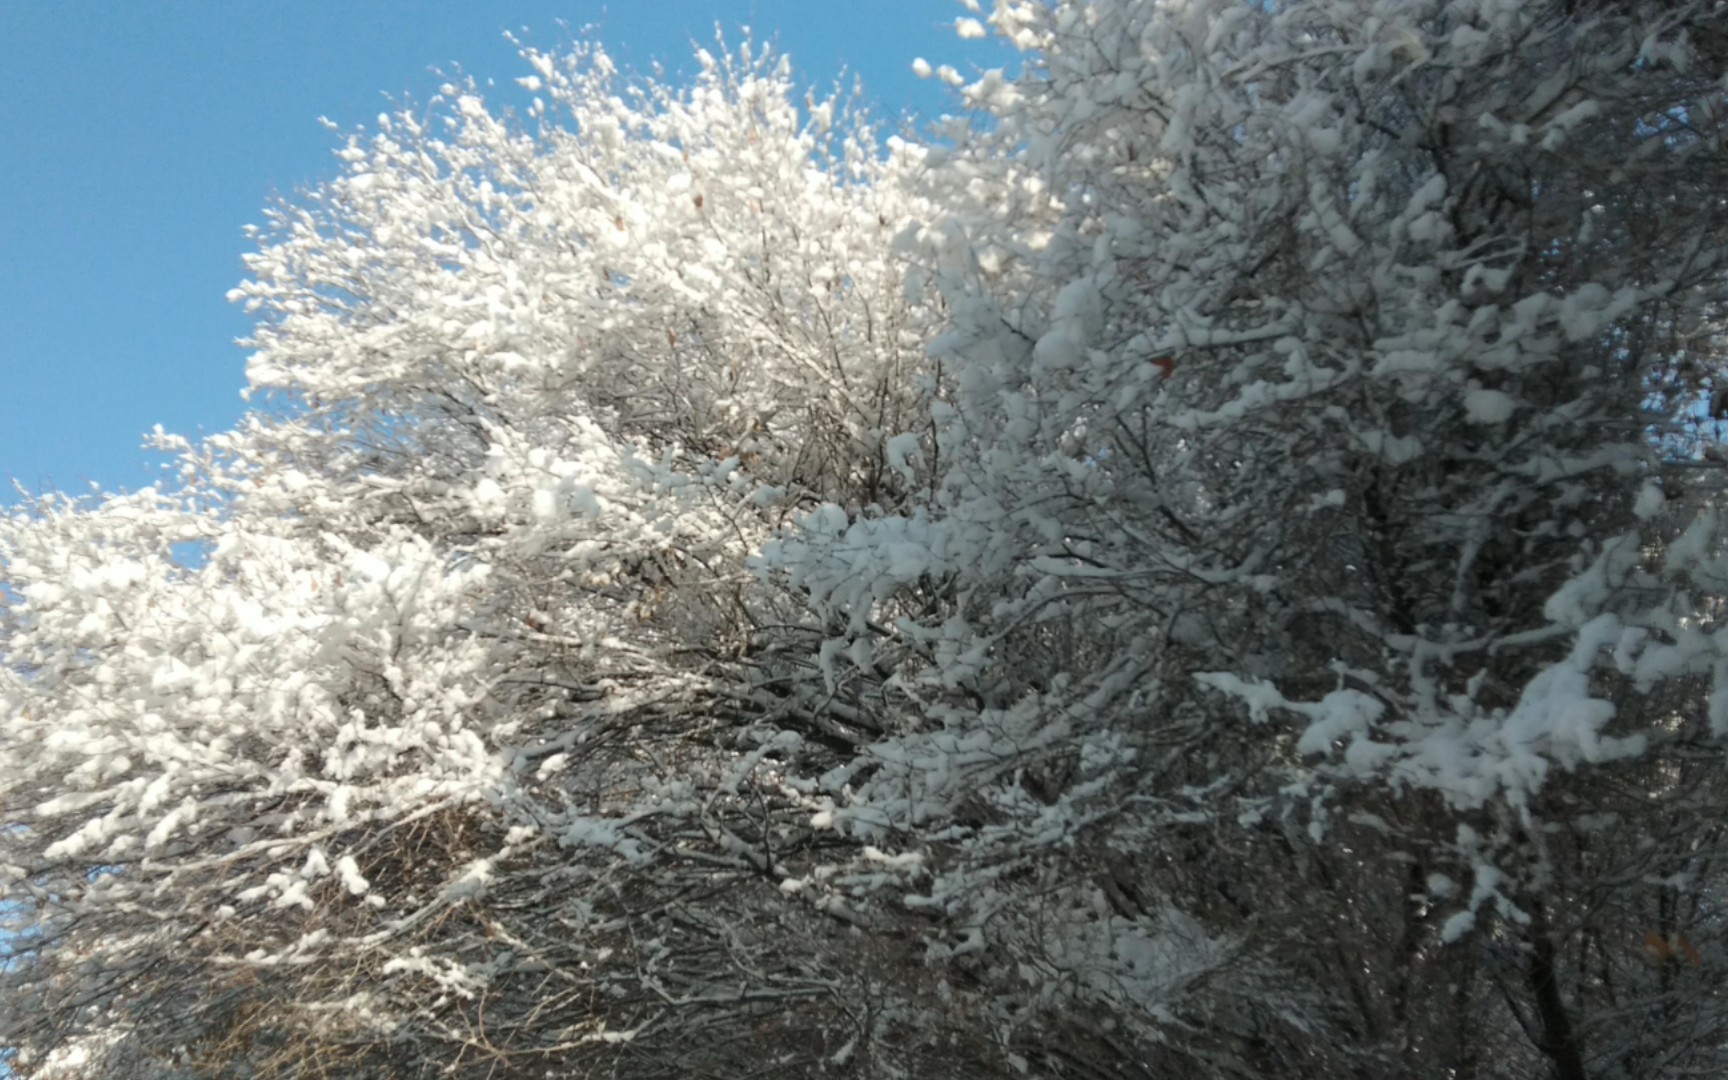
[(1207, 563)]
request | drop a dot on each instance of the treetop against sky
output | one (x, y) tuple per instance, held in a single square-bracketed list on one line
[(1206, 567), (141, 138)]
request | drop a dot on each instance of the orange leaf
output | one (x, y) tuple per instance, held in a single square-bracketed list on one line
[(1688, 950), (1657, 946)]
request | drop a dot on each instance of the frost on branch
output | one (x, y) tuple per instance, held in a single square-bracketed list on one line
[(1209, 567)]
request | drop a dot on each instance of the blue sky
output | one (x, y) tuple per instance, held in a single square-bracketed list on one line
[(137, 139)]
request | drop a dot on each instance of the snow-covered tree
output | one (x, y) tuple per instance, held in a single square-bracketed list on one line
[(467, 738), (1208, 566), (1305, 438)]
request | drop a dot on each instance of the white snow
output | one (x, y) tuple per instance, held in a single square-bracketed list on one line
[(1484, 406)]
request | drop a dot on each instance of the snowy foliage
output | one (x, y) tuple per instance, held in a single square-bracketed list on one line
[(1207, 567)]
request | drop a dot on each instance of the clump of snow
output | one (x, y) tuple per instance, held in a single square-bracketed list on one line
[(1483, 406), (1338, 715), (1650, 502)]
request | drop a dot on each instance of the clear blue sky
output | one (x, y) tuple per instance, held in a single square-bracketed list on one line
[(138, 138)]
